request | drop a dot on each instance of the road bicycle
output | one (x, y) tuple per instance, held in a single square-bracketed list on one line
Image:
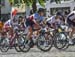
[(8, 42), (41, 40)]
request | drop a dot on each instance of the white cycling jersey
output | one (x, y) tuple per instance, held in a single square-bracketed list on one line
[(11, 23), (7, 23), (71, 16), (52, 20)]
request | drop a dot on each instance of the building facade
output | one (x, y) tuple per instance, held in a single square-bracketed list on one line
[(6, 9), (52, 7)]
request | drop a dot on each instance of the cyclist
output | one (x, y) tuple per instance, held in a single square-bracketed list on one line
[(33, 21), (55, 20), (10, 25), (22, 21), (71, 23), (7, 25)]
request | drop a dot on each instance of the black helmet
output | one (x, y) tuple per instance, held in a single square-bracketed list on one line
[(15, 18), (40, 10), (21, 17), (58, 14)]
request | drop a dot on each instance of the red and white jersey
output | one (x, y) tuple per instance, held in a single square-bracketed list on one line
[(31, 18), (7, 23)]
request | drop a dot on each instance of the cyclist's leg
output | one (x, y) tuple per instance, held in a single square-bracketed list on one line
[(36, 27), (29, 27), (73, 29), (70, 32), (29, 32), (11, 32), (71, 35), (70, 24)]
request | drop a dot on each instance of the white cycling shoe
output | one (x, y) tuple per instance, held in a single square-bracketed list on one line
[(71, 42)]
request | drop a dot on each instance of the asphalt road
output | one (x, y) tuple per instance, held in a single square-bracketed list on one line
[(35, 52)]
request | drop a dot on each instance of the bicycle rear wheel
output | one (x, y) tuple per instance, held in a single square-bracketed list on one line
[(44, 44), (25, 47), (4, 45), (60, 40)]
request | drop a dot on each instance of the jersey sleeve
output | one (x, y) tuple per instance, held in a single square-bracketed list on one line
[(36, 16), (31, 17), (51, 20)]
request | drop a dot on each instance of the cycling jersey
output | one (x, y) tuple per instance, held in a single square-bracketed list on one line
[(7, 23), (71, 19), (33, 19), (6, 26), (10, 23), (52, 20), (38, 17), (71, 16)]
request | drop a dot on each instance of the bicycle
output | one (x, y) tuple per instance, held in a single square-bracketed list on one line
[(60, 37), (7, 42), (36, 40)]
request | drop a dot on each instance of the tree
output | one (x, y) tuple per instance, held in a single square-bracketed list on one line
[(32, 3)]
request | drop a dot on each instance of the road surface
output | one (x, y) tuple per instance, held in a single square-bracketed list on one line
[(35, 52)]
